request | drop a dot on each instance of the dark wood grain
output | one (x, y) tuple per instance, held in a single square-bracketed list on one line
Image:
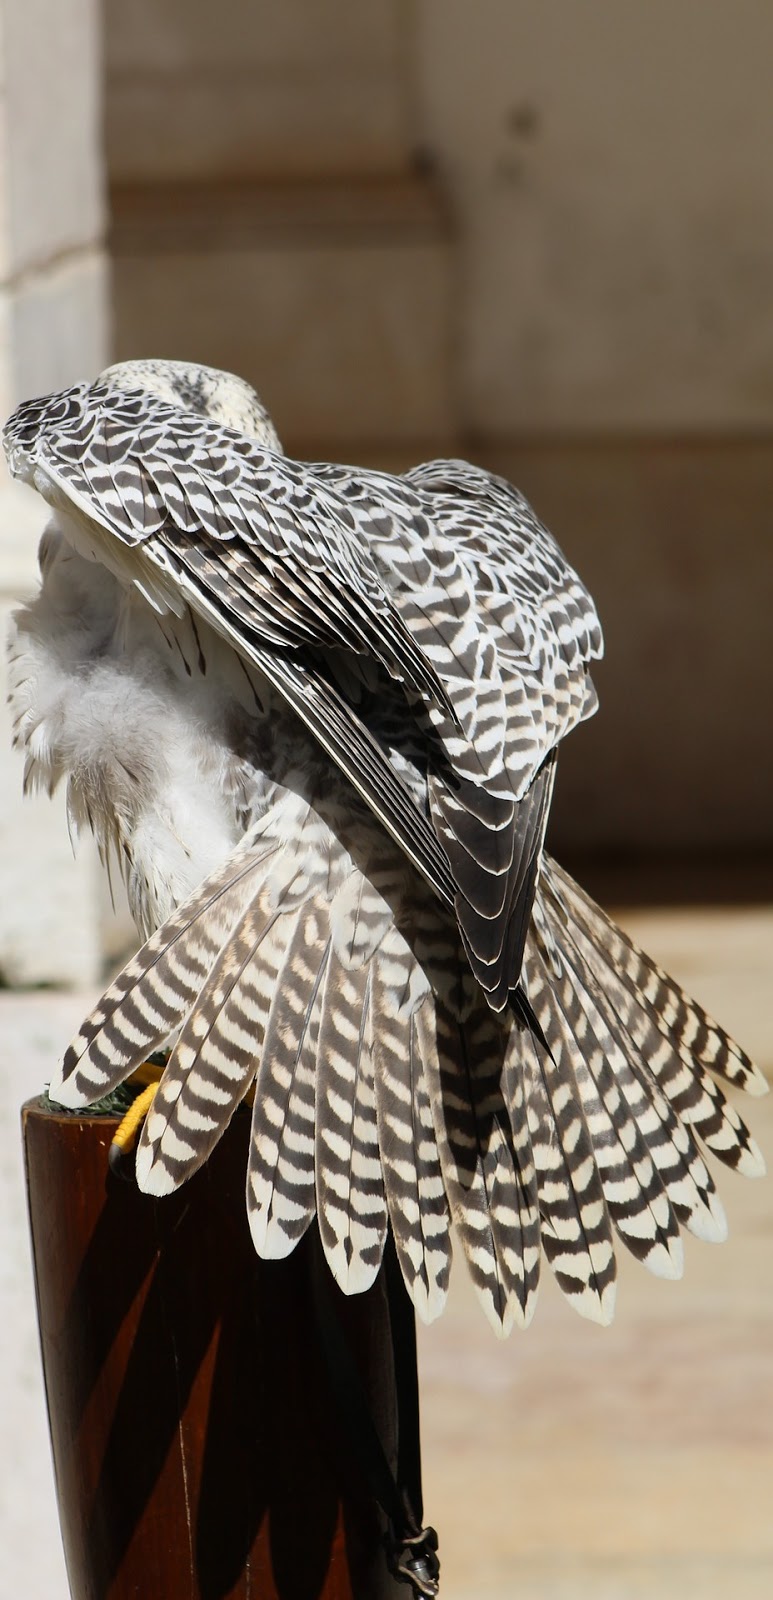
[(196, 1449)]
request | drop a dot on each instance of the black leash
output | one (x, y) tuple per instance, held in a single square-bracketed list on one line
[(411, 1550)]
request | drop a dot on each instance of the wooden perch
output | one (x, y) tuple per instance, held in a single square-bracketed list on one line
[(196, 1447)]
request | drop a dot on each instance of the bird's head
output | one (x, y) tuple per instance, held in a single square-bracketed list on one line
[(221, 396)]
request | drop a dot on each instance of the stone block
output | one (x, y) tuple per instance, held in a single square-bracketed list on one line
[(51, 131), (54, 327), (334, 301), (612, 184), (202, 128), (166, 37), (302, 88)]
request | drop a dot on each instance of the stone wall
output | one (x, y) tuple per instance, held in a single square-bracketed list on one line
[(53, 329), (609, 165), (271, 89)]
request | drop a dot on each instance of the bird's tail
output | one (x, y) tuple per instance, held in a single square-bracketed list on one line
[(388, 1092), (618, 1100)]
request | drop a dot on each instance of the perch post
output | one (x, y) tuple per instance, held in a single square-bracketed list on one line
[(198, 1454)]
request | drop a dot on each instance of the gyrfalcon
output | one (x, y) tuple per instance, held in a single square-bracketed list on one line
[(313, 712)]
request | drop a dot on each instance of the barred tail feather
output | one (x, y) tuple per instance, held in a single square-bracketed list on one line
[(489, 1180), (351, 1203), (634, 1193), (281, 1197), (663, 1066), (672, 1012), (154, 992), (388, 1092), (617, 1099), (413, 1178), (685, 1178), (574, 1224), (213, 1062), (674, 1039)]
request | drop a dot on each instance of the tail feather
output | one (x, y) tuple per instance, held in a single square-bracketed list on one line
[(413, 1178), (672, 1013), (387, 1091), (462, 1049), (281, 1194), (351, 1203), (684, 1174), (212, 1064), (677, 1052), (527, 1195), (156, 990), (634, 1192), (575, 1227)]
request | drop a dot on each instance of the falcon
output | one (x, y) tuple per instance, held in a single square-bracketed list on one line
[(313, 713)]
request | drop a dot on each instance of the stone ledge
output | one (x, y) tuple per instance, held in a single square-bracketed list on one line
[(333, 299), (227, 214)]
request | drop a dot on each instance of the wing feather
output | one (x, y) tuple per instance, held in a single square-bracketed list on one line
[(424, 574)]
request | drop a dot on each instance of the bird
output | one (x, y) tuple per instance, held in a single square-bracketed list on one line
[(313, 713)]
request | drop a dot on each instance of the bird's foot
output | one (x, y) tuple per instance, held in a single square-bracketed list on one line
[(125, 1137)]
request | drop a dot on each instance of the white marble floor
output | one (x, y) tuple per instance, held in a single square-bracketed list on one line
[(634, 1463)]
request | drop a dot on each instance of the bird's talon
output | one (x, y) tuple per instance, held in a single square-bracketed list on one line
[(120, 1164)]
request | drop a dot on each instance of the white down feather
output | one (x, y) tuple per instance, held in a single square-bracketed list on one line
[(112, 697)]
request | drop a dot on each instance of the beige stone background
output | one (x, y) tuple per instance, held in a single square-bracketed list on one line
[(540, 235)]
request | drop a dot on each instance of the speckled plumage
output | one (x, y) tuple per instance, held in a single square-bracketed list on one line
[(314, 711)]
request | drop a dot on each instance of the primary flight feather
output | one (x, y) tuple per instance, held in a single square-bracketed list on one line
[(314, 713)]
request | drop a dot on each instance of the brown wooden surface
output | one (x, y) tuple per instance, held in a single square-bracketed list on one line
[(196, 1450)]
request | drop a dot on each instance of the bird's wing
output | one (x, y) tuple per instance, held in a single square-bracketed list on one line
[(289, 561), (196, 513), (487, 594), (540, 616), (148, 472)]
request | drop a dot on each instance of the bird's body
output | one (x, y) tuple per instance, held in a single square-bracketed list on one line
[(313, 712)]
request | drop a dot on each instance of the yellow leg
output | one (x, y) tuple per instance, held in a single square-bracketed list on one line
[(125, 1135)]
